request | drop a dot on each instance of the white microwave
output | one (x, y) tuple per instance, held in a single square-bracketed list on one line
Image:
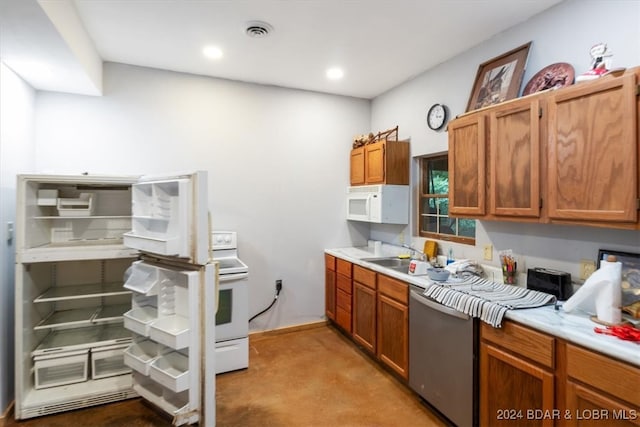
[(381, 204)]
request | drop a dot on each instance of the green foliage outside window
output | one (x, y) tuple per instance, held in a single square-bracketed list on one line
[(434, 204)]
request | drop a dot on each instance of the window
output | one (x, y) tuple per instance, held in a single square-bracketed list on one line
[(434, 219)]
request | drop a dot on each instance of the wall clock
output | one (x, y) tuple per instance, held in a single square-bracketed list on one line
[(437, 116)]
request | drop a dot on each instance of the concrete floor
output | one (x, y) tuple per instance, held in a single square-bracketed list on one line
[(312, 377)]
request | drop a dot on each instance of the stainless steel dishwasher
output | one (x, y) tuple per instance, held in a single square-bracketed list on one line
[(443, 349)]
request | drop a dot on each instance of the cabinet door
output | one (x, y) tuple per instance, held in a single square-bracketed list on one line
[(343, 295), (374, 163), (511, 386), (593, 151), (330, 293), (343, 310), (515, 159), (467, 140), (364, 316), (590, 408), (357, 166), (393, 335)]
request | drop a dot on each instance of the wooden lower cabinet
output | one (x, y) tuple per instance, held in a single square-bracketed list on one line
[(511, 387), (344, 289), (516, 376), (364, 307), (393, 324), (528, 378), (589, 407), (330, 286), (374, 310), (600, 390)]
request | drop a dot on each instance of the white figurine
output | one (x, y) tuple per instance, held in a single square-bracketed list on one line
[(600, 63)]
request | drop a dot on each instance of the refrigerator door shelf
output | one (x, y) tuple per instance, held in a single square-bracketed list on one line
[(143, 279), (172, 371), (174, 404), (172, 331), (139, 320), (168, 247), (140, 355)]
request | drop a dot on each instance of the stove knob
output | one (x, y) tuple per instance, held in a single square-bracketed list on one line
[(227, 238)]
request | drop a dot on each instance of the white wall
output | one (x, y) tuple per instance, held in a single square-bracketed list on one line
[(563, 33), (16, 149), (277, 160)]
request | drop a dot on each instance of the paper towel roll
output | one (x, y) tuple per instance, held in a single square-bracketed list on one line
[(600, 294)]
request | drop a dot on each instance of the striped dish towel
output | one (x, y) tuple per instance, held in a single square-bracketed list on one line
[(486, 300)]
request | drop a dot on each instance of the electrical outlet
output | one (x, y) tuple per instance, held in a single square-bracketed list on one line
[(488, 252), (587, 267), (401, 238)]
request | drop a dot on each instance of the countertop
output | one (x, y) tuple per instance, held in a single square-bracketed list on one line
[(575, 327)]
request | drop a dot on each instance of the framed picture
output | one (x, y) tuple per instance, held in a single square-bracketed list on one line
[(499, 79), (630, 274)]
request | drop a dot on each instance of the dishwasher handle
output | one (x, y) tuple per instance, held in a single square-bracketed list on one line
[(427, 302)]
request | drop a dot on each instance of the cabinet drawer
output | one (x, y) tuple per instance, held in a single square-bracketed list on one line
[(531, 344), (343, 318), (344, 300), (611, 376), (364, 276), (393, 288), (344, 283), (343, 267), (330, 262)]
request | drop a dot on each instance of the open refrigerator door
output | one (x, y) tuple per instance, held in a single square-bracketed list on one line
[(172, 316)]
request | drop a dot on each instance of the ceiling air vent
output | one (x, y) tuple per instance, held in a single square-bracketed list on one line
[(258, 29)]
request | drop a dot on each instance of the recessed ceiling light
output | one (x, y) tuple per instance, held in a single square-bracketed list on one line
[(335, 73), (212, 52)]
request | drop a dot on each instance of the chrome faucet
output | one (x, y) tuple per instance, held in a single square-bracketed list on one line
[(423, 257)]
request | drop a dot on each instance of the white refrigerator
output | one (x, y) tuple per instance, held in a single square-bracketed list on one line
[(115, 294)]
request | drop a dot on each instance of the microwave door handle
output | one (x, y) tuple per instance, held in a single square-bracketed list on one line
[(368, 205)]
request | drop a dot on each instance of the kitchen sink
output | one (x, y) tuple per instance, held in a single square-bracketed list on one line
[(397, 264)]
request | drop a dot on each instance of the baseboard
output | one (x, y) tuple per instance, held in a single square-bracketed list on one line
[(287, 329), (8, 412)]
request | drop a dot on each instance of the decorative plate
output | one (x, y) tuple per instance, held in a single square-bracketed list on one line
[(552, 76)]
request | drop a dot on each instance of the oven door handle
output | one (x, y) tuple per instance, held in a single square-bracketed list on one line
[(223, 278), (427, 302)]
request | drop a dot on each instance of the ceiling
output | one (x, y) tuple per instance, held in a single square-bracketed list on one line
[(378, 43)]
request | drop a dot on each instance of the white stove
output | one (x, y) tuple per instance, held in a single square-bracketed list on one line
[(232, 317)]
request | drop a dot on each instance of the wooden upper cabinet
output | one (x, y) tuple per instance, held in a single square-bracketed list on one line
[(467, 142), (593, 151), (374, 166), (383, 162), (515, 159), (357, 166), (567, 156)]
